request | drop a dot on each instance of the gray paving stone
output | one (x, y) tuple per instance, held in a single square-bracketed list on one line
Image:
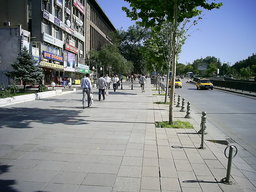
[(134, 161), (84, 188), (129, 171), (69, 178), (128, 184), (149, 171), (151, 183), (107, 180), (170, 184), (54, 187)]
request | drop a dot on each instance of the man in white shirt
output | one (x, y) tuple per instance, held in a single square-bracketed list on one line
[(102, 84), (86, 86), (115, 81)]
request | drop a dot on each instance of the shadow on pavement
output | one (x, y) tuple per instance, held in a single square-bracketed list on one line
[(121, 93), (22, 117), (6, 185), (135, 122)]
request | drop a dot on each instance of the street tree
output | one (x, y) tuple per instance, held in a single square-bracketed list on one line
[(131, 43), (110, 59), (152, 13), (25, 70)]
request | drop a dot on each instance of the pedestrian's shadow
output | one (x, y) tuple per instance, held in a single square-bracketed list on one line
[(121, 93), (22, 117)]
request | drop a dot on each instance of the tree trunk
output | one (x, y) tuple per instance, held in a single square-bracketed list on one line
[(173, 63), (167, 85)]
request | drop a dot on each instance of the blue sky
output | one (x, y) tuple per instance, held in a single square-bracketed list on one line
[(228, 33)]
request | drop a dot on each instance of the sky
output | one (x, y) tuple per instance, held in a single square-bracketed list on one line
[(228, 33)]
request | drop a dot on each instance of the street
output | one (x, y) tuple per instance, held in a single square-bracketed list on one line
[(234, 114)]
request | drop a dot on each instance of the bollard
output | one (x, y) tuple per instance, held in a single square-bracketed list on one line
[(203, 127), (203, 123), (178, 104), (132, 86), (230, 156), (174, 100), (188, 110), (182, 105)]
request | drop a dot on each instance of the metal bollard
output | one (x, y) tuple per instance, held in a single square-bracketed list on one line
[(188, 110), (203, 123), (230, 156), (203, 127), (178, 104), (182, 105)]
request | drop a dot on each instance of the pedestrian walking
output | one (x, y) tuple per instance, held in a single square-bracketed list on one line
[(86, 85), (108, 80), (142, 81), (115, 81), (102, 84)]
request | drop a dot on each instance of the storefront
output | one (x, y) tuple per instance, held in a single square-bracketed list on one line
[(52, 72)]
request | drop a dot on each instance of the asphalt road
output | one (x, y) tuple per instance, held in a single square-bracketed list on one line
[(234, 114)]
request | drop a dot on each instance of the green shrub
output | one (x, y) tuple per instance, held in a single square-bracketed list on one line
[(175, 124)]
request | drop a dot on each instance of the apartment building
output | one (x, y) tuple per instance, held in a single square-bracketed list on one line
[(62, 32)]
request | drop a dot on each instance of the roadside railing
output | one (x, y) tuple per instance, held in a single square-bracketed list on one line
[(237, 85)]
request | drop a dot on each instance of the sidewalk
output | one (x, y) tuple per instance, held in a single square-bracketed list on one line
[(53, 145)]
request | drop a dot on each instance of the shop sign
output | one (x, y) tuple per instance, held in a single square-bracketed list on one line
[(37, 60), (69, 69), (79, 22), (67, 10), (79, 6), (56, 21), (50, 39), (83, 70), (50, 65), (46, 14), (82, 66), (71, 48), (71, 60), (59, 2), (52, 56)]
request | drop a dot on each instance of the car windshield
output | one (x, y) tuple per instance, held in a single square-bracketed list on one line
[(205, 81), (177, 80)]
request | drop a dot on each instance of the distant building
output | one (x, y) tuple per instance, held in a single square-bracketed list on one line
[(62, 32)]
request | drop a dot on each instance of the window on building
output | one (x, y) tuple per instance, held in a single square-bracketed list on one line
[(58, 33), (46, 28), (68, 4), (46, 4), (58, 12)]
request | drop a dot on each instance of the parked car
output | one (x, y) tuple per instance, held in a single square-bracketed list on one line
[(204, 84)]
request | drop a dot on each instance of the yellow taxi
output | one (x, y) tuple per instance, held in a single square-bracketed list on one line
[(204, 84), (178, 83)]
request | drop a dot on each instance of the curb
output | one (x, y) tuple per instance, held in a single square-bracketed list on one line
[(31, 97)]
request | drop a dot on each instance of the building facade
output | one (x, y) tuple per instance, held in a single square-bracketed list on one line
[(62, 32)]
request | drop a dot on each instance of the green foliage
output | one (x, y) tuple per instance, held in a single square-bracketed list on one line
[(245, 68), (131, 46), (153, 13), (8, 92), (176, 124), (110, 57), (24, 69), (42, 88)]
